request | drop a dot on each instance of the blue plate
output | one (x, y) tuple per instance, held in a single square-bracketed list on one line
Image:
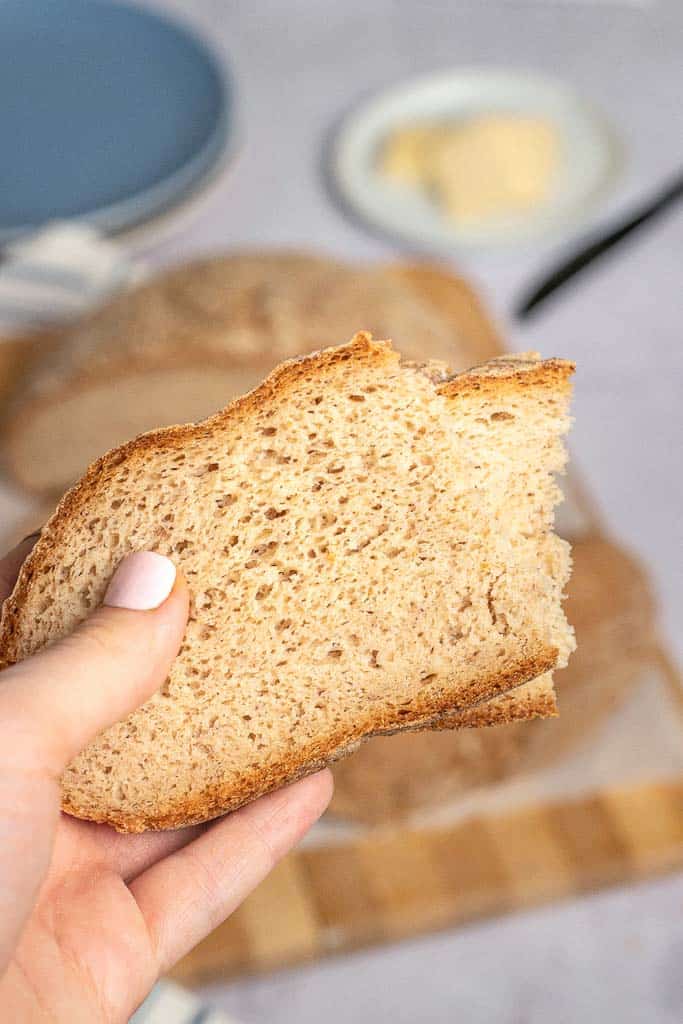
[(107, 113)]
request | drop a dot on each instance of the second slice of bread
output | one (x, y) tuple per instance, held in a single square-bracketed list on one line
[(368, 546)]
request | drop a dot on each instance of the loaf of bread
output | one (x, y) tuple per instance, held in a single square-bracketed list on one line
[(179, 347), (610, 605), (368, 545)]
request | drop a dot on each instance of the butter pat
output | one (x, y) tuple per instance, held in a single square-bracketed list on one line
[(407, 155), (486, 167)]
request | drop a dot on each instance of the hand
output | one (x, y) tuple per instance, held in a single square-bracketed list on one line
[(89, 919)]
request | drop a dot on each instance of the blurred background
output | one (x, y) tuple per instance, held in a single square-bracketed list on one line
[(192, 191)]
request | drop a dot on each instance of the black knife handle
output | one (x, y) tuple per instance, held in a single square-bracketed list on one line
[(596, 247)]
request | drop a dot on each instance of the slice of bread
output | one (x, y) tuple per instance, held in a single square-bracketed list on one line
[(368, 546)]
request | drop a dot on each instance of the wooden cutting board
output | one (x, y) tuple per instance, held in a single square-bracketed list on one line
[(384, 885)]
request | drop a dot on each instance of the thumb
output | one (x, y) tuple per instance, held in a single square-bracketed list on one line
[(61, 698)]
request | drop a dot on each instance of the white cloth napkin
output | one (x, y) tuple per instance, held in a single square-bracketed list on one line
[(57, 274)]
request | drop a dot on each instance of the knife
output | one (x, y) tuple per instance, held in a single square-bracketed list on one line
[(597, 246)]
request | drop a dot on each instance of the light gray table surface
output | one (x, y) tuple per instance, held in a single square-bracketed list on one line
[(298, 66)]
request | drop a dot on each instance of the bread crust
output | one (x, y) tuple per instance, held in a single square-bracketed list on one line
[(423, 710)]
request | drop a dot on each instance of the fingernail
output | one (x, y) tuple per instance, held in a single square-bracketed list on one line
[(142, 581)]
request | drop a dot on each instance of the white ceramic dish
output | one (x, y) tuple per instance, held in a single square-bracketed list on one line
[(588, 163)]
